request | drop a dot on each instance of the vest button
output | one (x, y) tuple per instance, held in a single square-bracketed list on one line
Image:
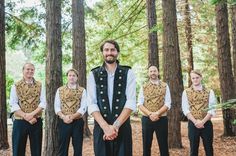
[(101, 92), (117, 100), (105, 107), (119, 92), (119, 84), (120, 77), (116, 115), (103, 100), (105, 115), (120, 70), (101, 72), (101, 78), (116, 107)]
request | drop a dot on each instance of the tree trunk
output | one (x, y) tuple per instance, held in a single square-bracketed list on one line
[(153, 57), (224, 65), (53, 73), (172, 70), (188, 33), (233, 25), (79, 49), (3, 109)]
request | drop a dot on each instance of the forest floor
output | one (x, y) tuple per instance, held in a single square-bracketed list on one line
[(223, 146)]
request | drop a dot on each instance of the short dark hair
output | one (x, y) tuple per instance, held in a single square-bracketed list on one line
[(111, 42)]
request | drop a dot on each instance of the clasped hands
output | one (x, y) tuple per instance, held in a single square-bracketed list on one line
[(199, 124), (30, 118), (110, 132), (68, 119), (154, 116)]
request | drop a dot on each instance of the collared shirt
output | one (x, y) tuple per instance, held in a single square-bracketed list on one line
[(212, 102), (130, 91), (167, 101), (14, 100), (83, 103)]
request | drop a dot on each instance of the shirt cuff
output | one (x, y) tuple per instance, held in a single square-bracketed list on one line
[(15, 108), (168, 106), (81, 111), (186, 112), (42, 105), (93, 108), (57, 110), (212, 112), (140, 104), (131, 104)]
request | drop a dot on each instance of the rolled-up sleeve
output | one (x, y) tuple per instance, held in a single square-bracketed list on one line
[(14, 100), (83, 104), (185, 104), (57, 102), (140, 97), (131, 91), (91, 94), (43, 102), (212, 103), (168, 98)]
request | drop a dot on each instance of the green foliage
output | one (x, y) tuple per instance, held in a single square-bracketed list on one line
[(9, 83), (231, 2), (124, 21), (230, 104)]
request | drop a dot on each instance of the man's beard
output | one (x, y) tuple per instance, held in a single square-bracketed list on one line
[(110, 61), (154, 77)]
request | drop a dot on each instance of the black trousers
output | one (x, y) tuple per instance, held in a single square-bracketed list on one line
[(121, 146), (160, 127), (21, 130), (205, 133), (73, 130)]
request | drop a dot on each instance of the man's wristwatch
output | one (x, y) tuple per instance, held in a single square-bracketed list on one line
[(117, 124)]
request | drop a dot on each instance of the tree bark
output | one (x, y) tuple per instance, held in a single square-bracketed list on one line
[(79, 49), (153, 56), (53, 73), (188, 33), (233, 25), (225, 65), (172, 70), (3, 109)]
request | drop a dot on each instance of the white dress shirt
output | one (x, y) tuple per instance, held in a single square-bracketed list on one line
[(83, 103), (167, 101), (14, 100), (130, 92), (212, 102)]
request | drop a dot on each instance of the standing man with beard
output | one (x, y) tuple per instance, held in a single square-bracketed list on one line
[(27, 100), (198, 105), (154, 101), (111, 99)]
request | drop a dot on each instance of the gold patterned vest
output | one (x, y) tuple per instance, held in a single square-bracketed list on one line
[(154, 96), (198, 102), (70, 99), (29, 95)]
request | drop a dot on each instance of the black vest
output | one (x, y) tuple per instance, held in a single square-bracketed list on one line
[(119, 97)]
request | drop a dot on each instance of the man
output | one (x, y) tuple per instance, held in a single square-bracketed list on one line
[(196, 102), (154, 101), (70, 105), (27, 100), (111, 99)]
